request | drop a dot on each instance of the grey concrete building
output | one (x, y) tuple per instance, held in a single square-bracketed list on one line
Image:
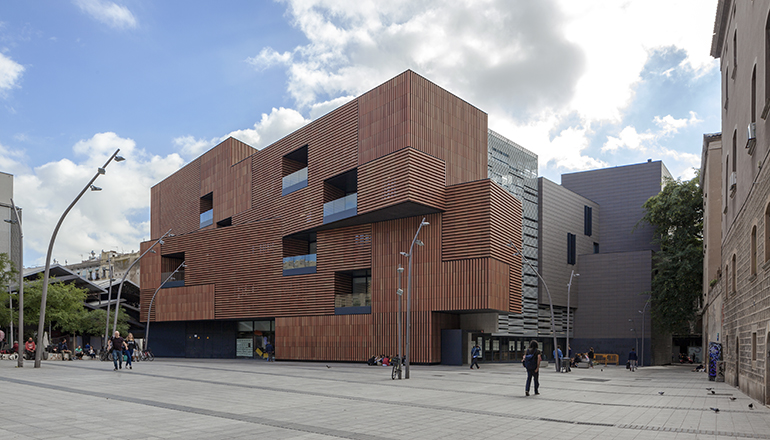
[(741, 45), (617, 271)]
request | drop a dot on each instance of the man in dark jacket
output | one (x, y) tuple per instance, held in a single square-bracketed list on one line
[(117, 345)]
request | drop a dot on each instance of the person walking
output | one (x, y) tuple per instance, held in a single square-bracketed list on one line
[(475, 355), (130, 347), (117, 344), (532, 359), (557, 355), (632, 358), (270, 352), (591, 358)]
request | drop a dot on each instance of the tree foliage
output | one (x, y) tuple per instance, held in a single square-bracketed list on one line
[(676, 214), (8, 274)]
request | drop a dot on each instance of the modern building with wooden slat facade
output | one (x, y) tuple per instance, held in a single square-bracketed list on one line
[(299, 243)]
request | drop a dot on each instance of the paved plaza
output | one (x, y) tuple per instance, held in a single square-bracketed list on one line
[(218, 398)]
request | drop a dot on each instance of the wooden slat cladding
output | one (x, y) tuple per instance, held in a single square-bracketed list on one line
[(345, 248), (506, 226), (448, 128), (179, 201), (467, 221), (340, 337), (184, 303), (332, 141), (383, 125), (407, 175), (293, 247)]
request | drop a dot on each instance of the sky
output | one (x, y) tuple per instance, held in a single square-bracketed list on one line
[(584, 84)]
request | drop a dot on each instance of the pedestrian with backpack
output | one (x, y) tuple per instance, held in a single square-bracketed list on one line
[(475, 355), (531, 362)]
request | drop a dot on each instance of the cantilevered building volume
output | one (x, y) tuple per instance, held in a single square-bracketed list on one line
[(298, 244)]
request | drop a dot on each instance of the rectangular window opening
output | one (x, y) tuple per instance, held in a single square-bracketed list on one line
[(571, 248), (587, 220)]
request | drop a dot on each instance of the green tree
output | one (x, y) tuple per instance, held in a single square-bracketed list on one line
[(676, 213), (93, 322), (8, 274)]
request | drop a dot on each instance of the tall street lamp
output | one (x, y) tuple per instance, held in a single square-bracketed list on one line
[(17, 221), (550, 302), (646, 304), (44, 295), (409, 293), (636, 335), (400, 293), (569, 287), (149, 310), (120, 289)]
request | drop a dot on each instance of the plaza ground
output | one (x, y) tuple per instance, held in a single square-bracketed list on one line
[(207, 398)]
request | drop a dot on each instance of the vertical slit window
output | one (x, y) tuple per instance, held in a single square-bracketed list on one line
[(571, 248), (754, 250), (587, 220)]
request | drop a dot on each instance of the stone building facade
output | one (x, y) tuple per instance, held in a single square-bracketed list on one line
[(741, 45)]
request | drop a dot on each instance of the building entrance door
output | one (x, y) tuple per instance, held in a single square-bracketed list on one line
[(252, 338)]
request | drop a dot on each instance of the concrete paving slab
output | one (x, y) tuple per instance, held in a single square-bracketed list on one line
[(214, 398)]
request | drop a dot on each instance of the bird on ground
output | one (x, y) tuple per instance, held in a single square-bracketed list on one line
[(733, 398), (713, 392), (661, 392), (328, 366), (715, 409), (709, 389), (751, 406)]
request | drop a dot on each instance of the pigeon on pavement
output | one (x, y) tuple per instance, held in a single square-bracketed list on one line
[(715, 409)]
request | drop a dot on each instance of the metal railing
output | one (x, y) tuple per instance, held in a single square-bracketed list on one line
[(299, 262), (342, 204)]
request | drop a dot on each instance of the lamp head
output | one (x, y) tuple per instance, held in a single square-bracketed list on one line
[(400, 269), (424, 223), (171, 235), (153, 251), (95, 188), (161, 241), (13, 222), (399, 292), (101, 170), (404, 254), (419, 242), (119, 158)]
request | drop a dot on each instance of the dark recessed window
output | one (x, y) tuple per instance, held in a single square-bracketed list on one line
[(596, 248), (571, 248), (587, 220)]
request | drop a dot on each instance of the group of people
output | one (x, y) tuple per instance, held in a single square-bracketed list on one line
[(122, 347), (382, 360)]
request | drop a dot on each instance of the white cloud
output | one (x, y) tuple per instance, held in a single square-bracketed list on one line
[(272, 127), (545, 72), (109, 13), (112, 218), (10, 73)]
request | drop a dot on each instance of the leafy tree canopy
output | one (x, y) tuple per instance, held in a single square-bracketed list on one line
[(676, 214), (8, 274)]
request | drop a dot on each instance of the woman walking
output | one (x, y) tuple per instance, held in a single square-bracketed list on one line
[(531, 362), (131, 344)]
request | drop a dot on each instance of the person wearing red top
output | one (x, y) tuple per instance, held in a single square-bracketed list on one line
[(29, 348)]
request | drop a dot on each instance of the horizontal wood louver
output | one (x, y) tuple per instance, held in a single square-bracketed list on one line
[(407, 175), (345, 248)]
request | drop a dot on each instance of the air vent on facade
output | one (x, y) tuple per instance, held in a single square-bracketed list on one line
[(752, 137)]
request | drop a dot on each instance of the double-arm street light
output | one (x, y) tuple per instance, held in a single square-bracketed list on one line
[(400, 294), (517, 251), (125, 274), (149, 310), (17, 221), (44, 295), (409, 293)]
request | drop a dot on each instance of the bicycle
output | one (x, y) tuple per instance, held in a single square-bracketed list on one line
[(105, 355), (396, 369), (146, 355)]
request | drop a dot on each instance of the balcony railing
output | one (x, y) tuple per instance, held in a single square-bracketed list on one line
[(294, 181), (299, 265), (176, 281), (341, 208), (207, 218)]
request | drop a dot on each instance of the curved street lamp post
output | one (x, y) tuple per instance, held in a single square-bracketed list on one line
[(17, 221), (122, 280), (409, 294), (149, 309), (550, 302), (46, 276), (569, 287)]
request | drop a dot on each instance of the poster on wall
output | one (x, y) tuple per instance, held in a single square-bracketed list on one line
[(243, 347)]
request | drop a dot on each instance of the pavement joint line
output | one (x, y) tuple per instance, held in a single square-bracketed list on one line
[(230, 370), (437, 407), (219, 414)]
